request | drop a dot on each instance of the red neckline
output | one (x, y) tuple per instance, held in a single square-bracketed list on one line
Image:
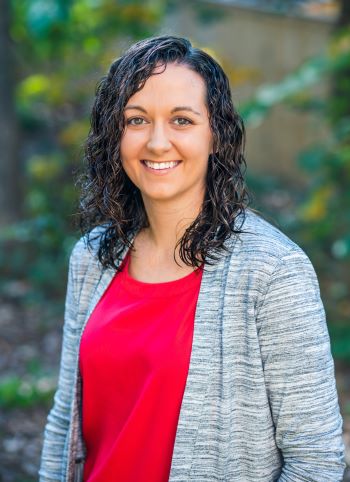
[(163, 289)]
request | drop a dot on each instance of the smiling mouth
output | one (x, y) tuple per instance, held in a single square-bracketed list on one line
[(160, 166)]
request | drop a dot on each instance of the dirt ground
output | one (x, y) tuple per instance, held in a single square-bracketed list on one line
[(30, 340)]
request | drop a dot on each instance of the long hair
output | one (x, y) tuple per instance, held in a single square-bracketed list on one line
[(109, 198)]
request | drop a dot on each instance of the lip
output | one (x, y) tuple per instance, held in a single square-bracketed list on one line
[(161, 172)]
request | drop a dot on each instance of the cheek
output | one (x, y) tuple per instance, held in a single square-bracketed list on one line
[(199, 144), (131, 144), (124, 143), (191, 147)]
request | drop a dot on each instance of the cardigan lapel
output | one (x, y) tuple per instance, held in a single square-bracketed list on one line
[(102, 284), (206, 328)]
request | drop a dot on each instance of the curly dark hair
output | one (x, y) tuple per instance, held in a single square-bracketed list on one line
[(108, 195)]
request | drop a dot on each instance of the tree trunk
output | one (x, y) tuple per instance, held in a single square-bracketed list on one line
[(344, 15), (10, 175)]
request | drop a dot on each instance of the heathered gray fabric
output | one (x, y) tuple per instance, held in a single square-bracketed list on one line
[(260, 403)]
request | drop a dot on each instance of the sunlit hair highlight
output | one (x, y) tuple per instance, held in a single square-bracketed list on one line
[(109, 198)]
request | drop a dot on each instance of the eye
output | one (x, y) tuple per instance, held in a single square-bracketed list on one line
[(182, 121), (135, 121)]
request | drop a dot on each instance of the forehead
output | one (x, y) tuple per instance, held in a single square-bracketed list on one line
[(176, 84)]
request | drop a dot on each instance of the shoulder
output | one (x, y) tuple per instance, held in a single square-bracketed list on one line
[(84, 254), (268, 261), (261, 238), (264, 236), (264, 249), (87, 246)]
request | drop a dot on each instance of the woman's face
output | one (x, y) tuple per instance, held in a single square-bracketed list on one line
[(167, 138)]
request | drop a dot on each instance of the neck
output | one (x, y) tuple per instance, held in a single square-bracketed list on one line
[(168, 222)]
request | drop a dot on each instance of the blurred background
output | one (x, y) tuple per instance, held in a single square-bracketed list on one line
[(289, 68)]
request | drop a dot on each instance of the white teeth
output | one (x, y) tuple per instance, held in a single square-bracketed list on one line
[(161, 165)]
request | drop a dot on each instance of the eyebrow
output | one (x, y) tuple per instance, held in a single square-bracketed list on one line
[(175, 109)]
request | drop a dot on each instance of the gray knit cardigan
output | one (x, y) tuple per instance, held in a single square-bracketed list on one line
[(260, 402)]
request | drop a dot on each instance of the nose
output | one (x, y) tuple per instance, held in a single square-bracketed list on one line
[(158, 141)]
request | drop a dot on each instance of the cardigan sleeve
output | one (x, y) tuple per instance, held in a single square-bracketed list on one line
[(299, 373), (57, 427)]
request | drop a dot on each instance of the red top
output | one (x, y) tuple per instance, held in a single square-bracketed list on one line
[(134, 359)]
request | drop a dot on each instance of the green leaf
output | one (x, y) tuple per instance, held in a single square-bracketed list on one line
[(42, 15), (312, 158)]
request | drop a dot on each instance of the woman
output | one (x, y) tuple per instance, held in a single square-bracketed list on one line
[(195, 345)]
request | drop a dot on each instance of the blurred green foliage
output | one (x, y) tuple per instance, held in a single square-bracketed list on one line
[(24, 393), (321, 220)]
